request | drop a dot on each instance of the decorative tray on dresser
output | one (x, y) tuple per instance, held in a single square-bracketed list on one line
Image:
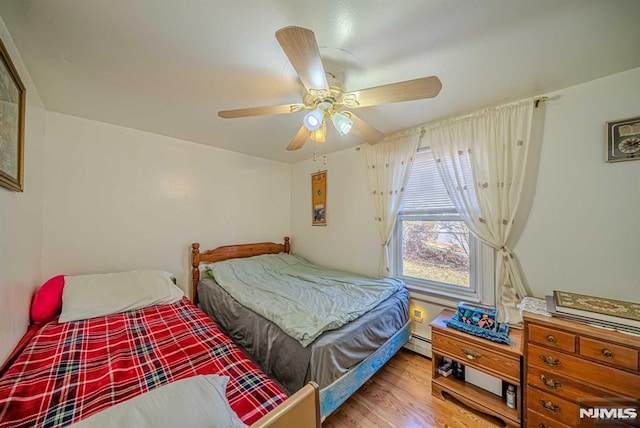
[(496, 359), (571, 366)]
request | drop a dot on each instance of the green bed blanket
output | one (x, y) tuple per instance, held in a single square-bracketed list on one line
[(303, 299)]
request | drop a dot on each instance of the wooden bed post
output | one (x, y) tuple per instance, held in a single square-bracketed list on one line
[(287, 245), (195, 271)]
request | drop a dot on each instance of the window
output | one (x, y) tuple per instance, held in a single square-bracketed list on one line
[(433, 251)]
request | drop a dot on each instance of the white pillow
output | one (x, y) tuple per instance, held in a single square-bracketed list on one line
[(88, 296), (195, 402)]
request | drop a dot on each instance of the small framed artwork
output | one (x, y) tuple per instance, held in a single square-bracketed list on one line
[(623, 139), (319, 198), (12, 105)]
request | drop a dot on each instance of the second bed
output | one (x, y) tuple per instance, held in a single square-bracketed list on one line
[(340, 359)]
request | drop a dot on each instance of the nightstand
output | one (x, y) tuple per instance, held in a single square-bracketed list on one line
[(496, 359)]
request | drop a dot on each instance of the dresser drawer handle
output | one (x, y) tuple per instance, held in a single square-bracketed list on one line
[(607, 353), (550, 383), (549, 406), (543, 425), (550, 361), (551, 339), (472, 355)]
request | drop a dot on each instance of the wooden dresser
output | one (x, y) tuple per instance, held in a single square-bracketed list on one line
[(569, 364), (495, 359)]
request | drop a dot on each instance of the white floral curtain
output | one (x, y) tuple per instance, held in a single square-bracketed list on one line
[(493, 145), (388, 165)]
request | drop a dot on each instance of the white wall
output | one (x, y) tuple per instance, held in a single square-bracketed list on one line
[(350, 238), (21, 220), (583, 230), (117, 198)]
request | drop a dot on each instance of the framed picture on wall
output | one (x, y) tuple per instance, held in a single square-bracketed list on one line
[(12, 105), (319, 198), (623, 139)]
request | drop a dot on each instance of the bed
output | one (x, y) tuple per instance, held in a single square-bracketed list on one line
[(339, 360), (67, 373)]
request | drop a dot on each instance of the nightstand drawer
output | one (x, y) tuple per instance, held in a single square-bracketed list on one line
[(609, 353), (552, 338), (481, 358)]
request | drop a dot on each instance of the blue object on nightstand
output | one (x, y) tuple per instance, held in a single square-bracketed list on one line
[(479, 322)]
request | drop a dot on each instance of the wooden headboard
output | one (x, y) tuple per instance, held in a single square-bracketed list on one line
[(229, 252)]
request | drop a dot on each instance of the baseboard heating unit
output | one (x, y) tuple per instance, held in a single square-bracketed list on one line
[(419, 344)]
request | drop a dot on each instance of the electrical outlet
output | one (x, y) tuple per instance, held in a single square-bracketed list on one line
[(418, 314)]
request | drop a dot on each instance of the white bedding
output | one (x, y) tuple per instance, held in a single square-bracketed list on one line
[(195, 402)]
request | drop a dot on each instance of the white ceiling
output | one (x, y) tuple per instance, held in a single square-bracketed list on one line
[(168, 66)]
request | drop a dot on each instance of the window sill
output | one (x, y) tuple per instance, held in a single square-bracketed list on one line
[(440, 297)]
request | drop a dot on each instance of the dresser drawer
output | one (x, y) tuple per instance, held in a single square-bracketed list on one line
[(508, 367), (624, 383), (553, 408), (536, 420), (564, 387), (609, 353), (552, 338)]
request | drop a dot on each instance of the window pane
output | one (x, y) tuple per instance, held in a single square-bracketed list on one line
[(436, 251)]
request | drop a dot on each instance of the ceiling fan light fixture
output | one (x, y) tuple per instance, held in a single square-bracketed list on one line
[(313, 120), (320, 134), (342, 123)]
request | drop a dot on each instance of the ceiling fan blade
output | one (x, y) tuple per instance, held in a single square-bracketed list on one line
[(363, 130), (301, 137), (417, 89), (299, 44), (259, 111)]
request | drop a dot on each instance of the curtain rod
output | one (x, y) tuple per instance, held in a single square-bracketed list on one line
[(421, 129), (538, 101)]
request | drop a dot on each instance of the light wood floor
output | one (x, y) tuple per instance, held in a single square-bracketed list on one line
[(399, 396)]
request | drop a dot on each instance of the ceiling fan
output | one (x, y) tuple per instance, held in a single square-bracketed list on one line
[(329, 101)]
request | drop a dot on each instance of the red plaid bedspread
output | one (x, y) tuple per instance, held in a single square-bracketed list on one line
[(70, 371)]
